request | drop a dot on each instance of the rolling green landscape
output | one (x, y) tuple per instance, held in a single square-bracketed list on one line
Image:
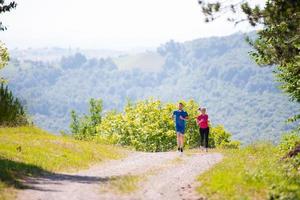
[(215, 72), (98, 103), (97, 123)]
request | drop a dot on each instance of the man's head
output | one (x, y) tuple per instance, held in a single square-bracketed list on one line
[(180, 106), (203, 110)]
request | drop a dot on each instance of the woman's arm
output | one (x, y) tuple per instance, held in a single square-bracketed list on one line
[(197, 120), (205, 119)]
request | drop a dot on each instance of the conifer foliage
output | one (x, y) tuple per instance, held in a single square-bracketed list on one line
[(12, 112)]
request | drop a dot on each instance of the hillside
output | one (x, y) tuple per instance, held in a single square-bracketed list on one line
[(147, 61), (31, 152), (258, 171), (38, 165), (216, 72)]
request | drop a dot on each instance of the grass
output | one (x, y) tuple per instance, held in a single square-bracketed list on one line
[(30, 151), (254, 172), (122, 184), (176, 161)]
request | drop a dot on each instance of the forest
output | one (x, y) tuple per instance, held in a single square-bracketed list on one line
[(216, 72)]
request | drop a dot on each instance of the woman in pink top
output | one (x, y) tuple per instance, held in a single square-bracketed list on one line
[(202, 121)]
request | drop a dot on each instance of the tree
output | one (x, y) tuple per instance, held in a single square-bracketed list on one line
[(85, 127), (74, 126), (96, 107), (6, 7), (74, 61), (4, 57), (12, 111), (278, 42)]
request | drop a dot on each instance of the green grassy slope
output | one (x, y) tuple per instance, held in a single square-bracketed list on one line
[(254, 172), (30, 151)]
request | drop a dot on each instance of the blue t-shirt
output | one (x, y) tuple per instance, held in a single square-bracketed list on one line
[(178, 121)]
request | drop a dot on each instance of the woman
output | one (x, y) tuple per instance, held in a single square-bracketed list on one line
[(202, 121)]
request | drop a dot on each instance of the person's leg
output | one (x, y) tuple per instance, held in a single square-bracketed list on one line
[(178, 140), (182, 142), (201, 137), (180, 131), (181, 139), (206, 138)]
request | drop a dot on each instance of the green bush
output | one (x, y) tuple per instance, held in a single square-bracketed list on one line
[(147, 126), (289, 187), (84, 128), (289, 141), (218, 135)]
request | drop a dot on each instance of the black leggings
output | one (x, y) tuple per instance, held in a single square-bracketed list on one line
[(204, 132)]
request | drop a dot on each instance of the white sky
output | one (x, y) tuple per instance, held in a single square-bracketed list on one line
[(108, 24)]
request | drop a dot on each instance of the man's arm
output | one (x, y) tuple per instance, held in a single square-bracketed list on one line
[(172, 116), (186, 117)]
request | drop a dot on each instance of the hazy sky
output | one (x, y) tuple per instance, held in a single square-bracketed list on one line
[(108, 24)]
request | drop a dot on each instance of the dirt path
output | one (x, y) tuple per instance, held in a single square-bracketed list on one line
[(165, 176)]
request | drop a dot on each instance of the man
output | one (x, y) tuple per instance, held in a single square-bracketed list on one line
[(180, 117)]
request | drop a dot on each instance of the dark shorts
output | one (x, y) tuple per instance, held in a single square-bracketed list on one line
[(180, 129)]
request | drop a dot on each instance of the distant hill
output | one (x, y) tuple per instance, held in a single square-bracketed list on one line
[(147, 61), (53, 54), (217, 72)]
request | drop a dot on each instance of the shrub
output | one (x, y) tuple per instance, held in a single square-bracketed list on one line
[(147, 126), (218, 135), (289, 187), (289, 141), (84, 128)]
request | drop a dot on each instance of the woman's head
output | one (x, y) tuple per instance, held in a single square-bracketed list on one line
[(202, 110)]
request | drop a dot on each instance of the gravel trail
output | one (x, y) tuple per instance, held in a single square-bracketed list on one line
[(166, 175)]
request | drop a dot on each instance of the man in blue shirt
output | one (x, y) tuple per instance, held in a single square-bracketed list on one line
[(180, 117)]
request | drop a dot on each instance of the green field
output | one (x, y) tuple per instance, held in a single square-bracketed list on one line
[(30, 151), (254, 172)]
